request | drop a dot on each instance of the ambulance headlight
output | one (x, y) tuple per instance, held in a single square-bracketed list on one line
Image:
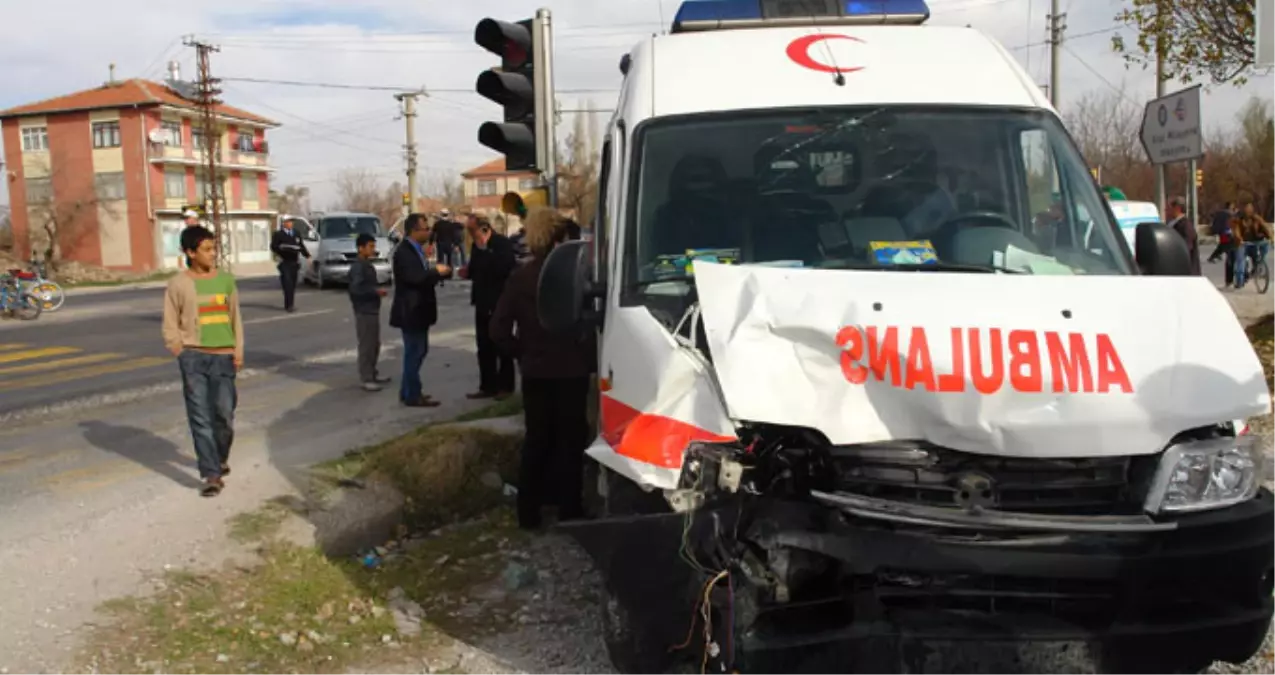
[(1210, 474)]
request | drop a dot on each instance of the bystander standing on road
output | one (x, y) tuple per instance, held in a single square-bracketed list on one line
[(1179, 221), (490, 264), (365, 296), (415, 306), (1220, 227), (555, 384), (287, 244), (203, 329)]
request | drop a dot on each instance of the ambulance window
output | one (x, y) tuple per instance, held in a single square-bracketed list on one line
[(602, 217)]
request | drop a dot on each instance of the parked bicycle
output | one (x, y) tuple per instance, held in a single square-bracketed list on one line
[(16, 300), (47, 290)]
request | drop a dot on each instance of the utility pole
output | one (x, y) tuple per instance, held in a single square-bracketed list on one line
[(408, 99), (546, 106), (1057, 24), (206, 98), (1159, 91)]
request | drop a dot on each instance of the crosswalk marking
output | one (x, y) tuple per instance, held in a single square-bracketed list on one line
[(27, 355), (81, 373), (59, 363)]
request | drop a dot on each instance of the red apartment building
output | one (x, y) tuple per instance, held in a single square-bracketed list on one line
[(115, 165), (485, 185)]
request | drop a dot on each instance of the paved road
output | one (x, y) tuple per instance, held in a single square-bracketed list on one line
[(103, 347), (97, 496)]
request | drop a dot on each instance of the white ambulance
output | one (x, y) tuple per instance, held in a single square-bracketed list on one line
[(865, 380)]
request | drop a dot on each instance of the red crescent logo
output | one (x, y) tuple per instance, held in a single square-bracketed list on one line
[(799, 52)]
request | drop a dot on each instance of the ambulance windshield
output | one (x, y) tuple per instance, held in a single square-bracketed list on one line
[(853, 188)]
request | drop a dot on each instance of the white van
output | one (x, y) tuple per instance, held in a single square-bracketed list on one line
[(863, 377)]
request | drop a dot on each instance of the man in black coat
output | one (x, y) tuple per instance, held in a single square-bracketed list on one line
[(415, 307), (287, 244), (491, 262)]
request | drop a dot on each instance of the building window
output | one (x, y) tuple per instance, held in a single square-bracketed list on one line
[(248, 184), (245, 142), (526, 184), (39, 191), (172, 134), (197, 138), (175, 184), (35, 139), (106, 134), (201, 187), (486, 188), (109, 186)]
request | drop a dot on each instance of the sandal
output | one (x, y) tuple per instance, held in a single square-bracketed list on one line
[(212, 487)]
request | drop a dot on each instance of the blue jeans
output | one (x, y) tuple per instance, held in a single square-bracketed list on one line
[(1256, 250), (208, 382), (415, 347)]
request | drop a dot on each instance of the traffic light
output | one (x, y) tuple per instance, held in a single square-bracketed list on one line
[(1199, 178), (407, 199), (512, 85)]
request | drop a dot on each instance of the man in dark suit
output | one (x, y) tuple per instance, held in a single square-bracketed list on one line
[(415, 307), (287, 244), (491, 262)]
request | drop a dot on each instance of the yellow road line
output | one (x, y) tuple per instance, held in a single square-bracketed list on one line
[(11, 346), (60, 363), (29, 354), (80, 373)]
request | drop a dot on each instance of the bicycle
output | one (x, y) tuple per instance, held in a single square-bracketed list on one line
[(49, 292), (1259, 271), (16, 300)]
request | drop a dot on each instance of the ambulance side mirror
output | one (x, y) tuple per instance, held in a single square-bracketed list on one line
[(1160, 251), (566, 290)]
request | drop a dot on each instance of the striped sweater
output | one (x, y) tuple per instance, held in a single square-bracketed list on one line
[(203, 313)]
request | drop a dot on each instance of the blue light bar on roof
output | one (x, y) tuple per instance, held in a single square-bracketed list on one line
[(705, 15)]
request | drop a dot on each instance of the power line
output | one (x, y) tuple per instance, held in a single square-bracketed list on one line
[(564, 31), (1077, 36), (382, 87), (1095, 73)]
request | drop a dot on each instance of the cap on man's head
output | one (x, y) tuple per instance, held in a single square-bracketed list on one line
[(1179, 202), (189, 214), (444, 213)]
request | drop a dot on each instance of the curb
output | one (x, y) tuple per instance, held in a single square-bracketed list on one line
[(141, 285)]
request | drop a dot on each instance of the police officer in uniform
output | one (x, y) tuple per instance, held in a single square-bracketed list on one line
[(287, 244)]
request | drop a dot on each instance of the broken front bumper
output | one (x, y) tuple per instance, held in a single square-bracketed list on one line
[(1188, 589)]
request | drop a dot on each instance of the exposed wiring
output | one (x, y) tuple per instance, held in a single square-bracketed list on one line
[(706, 609)]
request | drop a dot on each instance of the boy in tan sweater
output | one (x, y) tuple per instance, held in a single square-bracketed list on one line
[(203, 329)]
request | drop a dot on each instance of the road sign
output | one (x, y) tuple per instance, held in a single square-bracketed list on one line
[(1264, 39), (1171, 127)]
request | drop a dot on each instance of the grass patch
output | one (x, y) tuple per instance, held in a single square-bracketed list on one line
[(1262, 335), (259, 525), (506, 408), (290, 614)]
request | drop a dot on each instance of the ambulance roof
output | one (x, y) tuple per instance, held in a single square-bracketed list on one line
[(794, 67)]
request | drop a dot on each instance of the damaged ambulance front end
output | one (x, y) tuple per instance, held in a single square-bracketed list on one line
[(829, 468)]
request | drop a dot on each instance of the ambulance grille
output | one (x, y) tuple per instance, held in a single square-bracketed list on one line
[(932, 476)]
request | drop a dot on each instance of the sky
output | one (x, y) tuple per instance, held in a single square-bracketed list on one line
[(397, 44)]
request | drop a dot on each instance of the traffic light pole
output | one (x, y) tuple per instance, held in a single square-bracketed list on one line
[(1195, 193), (546, 113)]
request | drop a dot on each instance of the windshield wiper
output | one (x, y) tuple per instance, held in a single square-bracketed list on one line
[(922, 267)]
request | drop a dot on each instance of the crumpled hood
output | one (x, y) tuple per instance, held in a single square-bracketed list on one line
[(1018, 365)]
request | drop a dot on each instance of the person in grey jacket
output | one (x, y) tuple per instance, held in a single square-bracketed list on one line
[(365, 296)]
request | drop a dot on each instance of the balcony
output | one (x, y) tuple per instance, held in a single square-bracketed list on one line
[(232, 159)]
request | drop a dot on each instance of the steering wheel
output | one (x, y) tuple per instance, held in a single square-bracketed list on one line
[(992, 218)]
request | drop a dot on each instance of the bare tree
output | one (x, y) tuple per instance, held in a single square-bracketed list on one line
[(294, 199), (578, 170), (61, 210), (447, 189), (1106, 125), (361, 191)]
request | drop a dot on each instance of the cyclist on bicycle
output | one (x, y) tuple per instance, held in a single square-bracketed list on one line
[(1253, 239)]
